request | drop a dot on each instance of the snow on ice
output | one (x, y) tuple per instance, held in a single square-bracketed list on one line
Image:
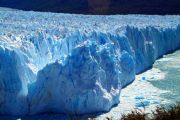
[(66, 63)]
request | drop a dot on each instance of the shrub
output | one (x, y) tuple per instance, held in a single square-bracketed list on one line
[(134, 115), (161, 113)]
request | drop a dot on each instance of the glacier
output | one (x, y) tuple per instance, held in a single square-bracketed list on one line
[(67, 63)]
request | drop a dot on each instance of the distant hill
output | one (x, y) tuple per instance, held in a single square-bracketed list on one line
[(97, 6)]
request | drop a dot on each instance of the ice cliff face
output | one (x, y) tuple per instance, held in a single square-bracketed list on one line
[(73, 63)]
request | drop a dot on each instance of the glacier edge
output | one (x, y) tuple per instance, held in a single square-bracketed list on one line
[(82, 73)]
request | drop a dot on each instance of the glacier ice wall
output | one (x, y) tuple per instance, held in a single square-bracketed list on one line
[(73, 63)]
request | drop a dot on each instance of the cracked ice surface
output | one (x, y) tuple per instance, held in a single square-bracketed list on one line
[(74, 63)]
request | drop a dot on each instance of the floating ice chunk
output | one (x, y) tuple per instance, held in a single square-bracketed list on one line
[(143, 78), (143, 103), (139, 97)]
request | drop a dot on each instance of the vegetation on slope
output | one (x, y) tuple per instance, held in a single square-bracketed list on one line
[(161, 113)]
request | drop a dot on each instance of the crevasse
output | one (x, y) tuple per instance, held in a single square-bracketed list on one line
[(75, 71)]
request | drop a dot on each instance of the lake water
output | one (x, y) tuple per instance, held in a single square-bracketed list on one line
[(155, 87), (170, 65)]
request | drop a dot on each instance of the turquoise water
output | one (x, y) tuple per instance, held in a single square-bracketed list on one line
[(159, 86), (170, 65)]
